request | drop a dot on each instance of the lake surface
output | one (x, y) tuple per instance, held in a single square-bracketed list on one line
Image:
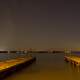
[(46, 67)]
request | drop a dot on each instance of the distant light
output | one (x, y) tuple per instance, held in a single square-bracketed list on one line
[(2, 49)]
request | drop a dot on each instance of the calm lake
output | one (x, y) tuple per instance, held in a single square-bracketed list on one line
[(46, 67)]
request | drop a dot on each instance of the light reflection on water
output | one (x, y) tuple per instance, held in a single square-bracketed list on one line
[(48, 67)]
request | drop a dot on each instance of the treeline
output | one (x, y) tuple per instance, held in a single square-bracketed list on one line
[(31, 51)]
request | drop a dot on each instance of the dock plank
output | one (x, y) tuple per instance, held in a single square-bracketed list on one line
[(10, 63), (73, 59)]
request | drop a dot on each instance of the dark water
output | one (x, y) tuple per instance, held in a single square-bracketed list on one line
[(47, 67)]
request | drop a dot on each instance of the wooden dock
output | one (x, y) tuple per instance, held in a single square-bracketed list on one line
[(73, 59), (9, 66)]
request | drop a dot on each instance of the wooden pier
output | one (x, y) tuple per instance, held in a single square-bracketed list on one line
[(73, 59), (9, 66)]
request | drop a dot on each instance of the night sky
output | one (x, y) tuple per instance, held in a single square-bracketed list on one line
[(39, 24)]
